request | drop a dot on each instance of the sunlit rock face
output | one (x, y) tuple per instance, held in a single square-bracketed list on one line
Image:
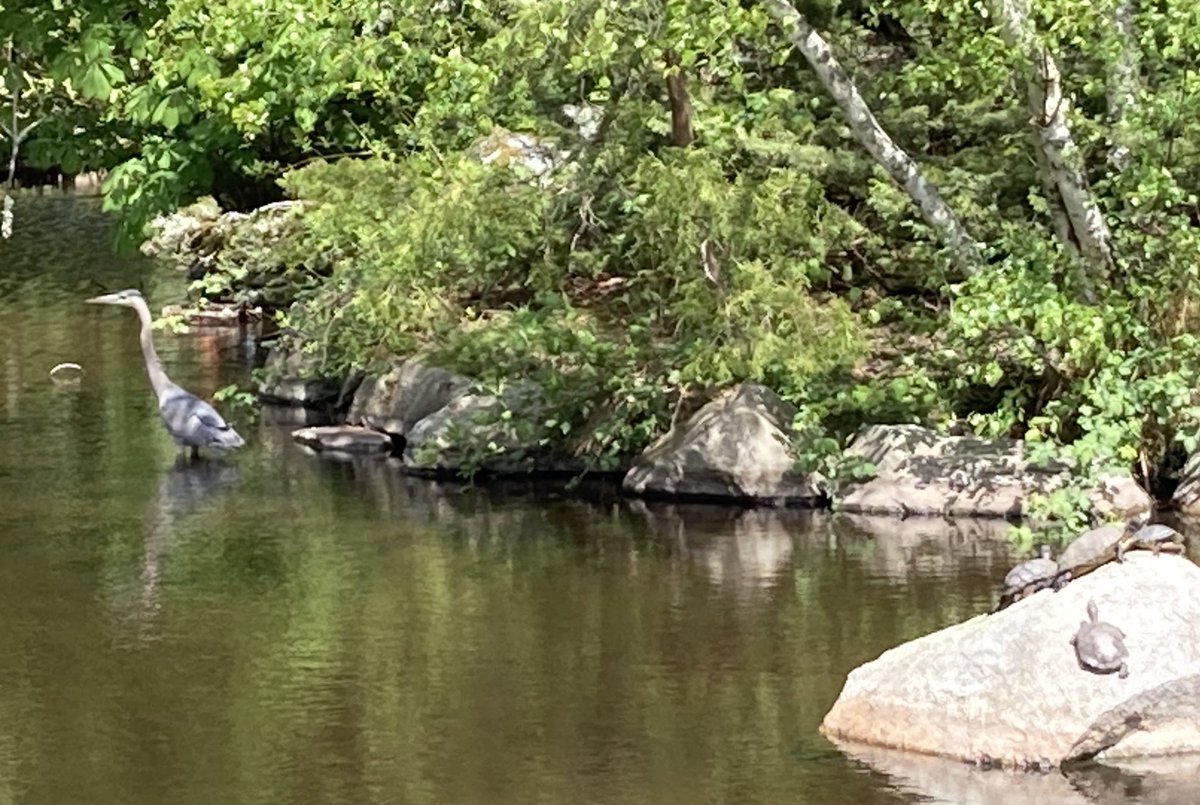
[(1010, 688), (919, 471), (736, 446)]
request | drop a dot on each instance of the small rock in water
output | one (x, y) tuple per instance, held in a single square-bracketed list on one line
[(344, 439)]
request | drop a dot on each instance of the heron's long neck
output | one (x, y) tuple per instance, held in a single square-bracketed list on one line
[(158, 378)]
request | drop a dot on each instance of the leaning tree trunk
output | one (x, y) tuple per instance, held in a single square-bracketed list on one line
[(1124, 81), (871, 135), (681, 105), (1059, 161)]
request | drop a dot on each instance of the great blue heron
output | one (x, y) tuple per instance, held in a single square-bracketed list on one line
[(190, 420)]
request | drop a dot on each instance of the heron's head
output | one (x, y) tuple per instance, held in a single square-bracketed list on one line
[(126, 298)]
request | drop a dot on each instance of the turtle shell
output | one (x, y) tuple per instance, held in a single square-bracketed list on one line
[(1090, 550), (1099, 646), (1148, 535), (1157, 537), (1030, 573)]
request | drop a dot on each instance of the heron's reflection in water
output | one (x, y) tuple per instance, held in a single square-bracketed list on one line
[(185, 490)]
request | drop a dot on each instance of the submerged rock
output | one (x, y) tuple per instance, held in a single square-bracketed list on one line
[(905, 551), (1008, 686), (404, 395), (746, 551), (736, 446), (344, 439), (918, 471)]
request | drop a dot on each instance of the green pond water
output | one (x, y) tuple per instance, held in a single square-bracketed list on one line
[(276, 627)]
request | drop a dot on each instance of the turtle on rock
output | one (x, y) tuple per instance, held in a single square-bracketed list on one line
[(1028, 577), (1099, 646), (1110, 542), (1157, 538), (1090, 550)]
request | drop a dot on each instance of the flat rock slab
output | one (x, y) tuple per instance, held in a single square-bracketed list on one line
[(344, 439), (737, 446), (919, 471), (1008, 686)]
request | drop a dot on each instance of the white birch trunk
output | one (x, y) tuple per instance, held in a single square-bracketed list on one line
[(1124, 81), (871, 135), (1059, 159)]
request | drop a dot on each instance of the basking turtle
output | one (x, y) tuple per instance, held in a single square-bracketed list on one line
[(1155, 538), (1027, 578), (1100, 647), (1090, 550)]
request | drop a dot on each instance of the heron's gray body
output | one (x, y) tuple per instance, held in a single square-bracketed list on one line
[(190, 421), (194, 423)]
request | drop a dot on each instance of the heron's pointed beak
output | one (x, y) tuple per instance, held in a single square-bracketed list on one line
[(105, 299)]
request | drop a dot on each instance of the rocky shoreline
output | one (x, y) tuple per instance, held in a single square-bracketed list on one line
[(737, 448)]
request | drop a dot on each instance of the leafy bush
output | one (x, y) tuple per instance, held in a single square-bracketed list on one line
[(700, 282)]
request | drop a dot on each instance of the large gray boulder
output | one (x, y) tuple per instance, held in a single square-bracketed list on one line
[(478, 432), (187, 234), (404, 395), (292, 377), (737, 446), (537, 157), (919, 471), (1009, 687)]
